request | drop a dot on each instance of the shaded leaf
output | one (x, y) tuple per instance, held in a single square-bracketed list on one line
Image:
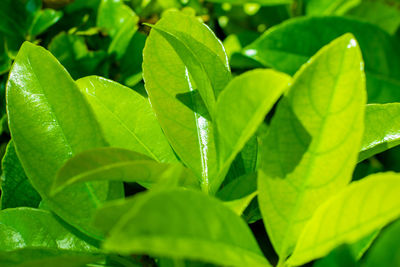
[(289, 45), (16, 190), (385, 251)]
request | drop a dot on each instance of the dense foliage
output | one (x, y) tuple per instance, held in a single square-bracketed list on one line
[(200, 133)]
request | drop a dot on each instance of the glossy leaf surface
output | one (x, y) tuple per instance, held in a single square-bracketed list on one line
[(180, 108), (126, 118), (39, 257), (289, 45), (313, 141), (112, 164), (185, 224), (382, 130), (28, 227), (361, 208), (45, 110)]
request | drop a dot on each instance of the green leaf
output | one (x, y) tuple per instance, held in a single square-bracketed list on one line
[(239, 193), (5, 61), (239, 205), (364, 206), (313, 141), (210, 73), (289, 45), (174, 96), (131, 62), (43, 20), (113, 164), (50, 121), (340, 256), (381, 130), (385, 251), (126, 118), (260, 2), (185, 224), (245, 162), (31, 236), (39, 257), (17, 16), (120, 22), (73, 53), (16, 190), (382, 13), (239, 188), (329, 7), (361, 246), (241, 108)]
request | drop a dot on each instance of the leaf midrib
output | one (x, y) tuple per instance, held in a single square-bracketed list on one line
[(300, 196), (75, 178), (122, 123), (89, 188)]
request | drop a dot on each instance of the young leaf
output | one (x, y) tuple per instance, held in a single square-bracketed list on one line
[(175, 98), (364, 206), (185, 224), (381, 130), (113, 164), (313, 141), (289, 45), (16, 190), (120, 22), (126, 118), (73, 53), (241, 108), (30, 236), (43, 20), (50, 121)]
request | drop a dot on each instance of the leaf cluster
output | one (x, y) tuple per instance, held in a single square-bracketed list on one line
[(200, 133)]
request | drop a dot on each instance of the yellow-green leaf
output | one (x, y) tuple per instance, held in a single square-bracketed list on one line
[(126, 118), (313, 141), (184, 224), (363, 207), (241, 108)]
